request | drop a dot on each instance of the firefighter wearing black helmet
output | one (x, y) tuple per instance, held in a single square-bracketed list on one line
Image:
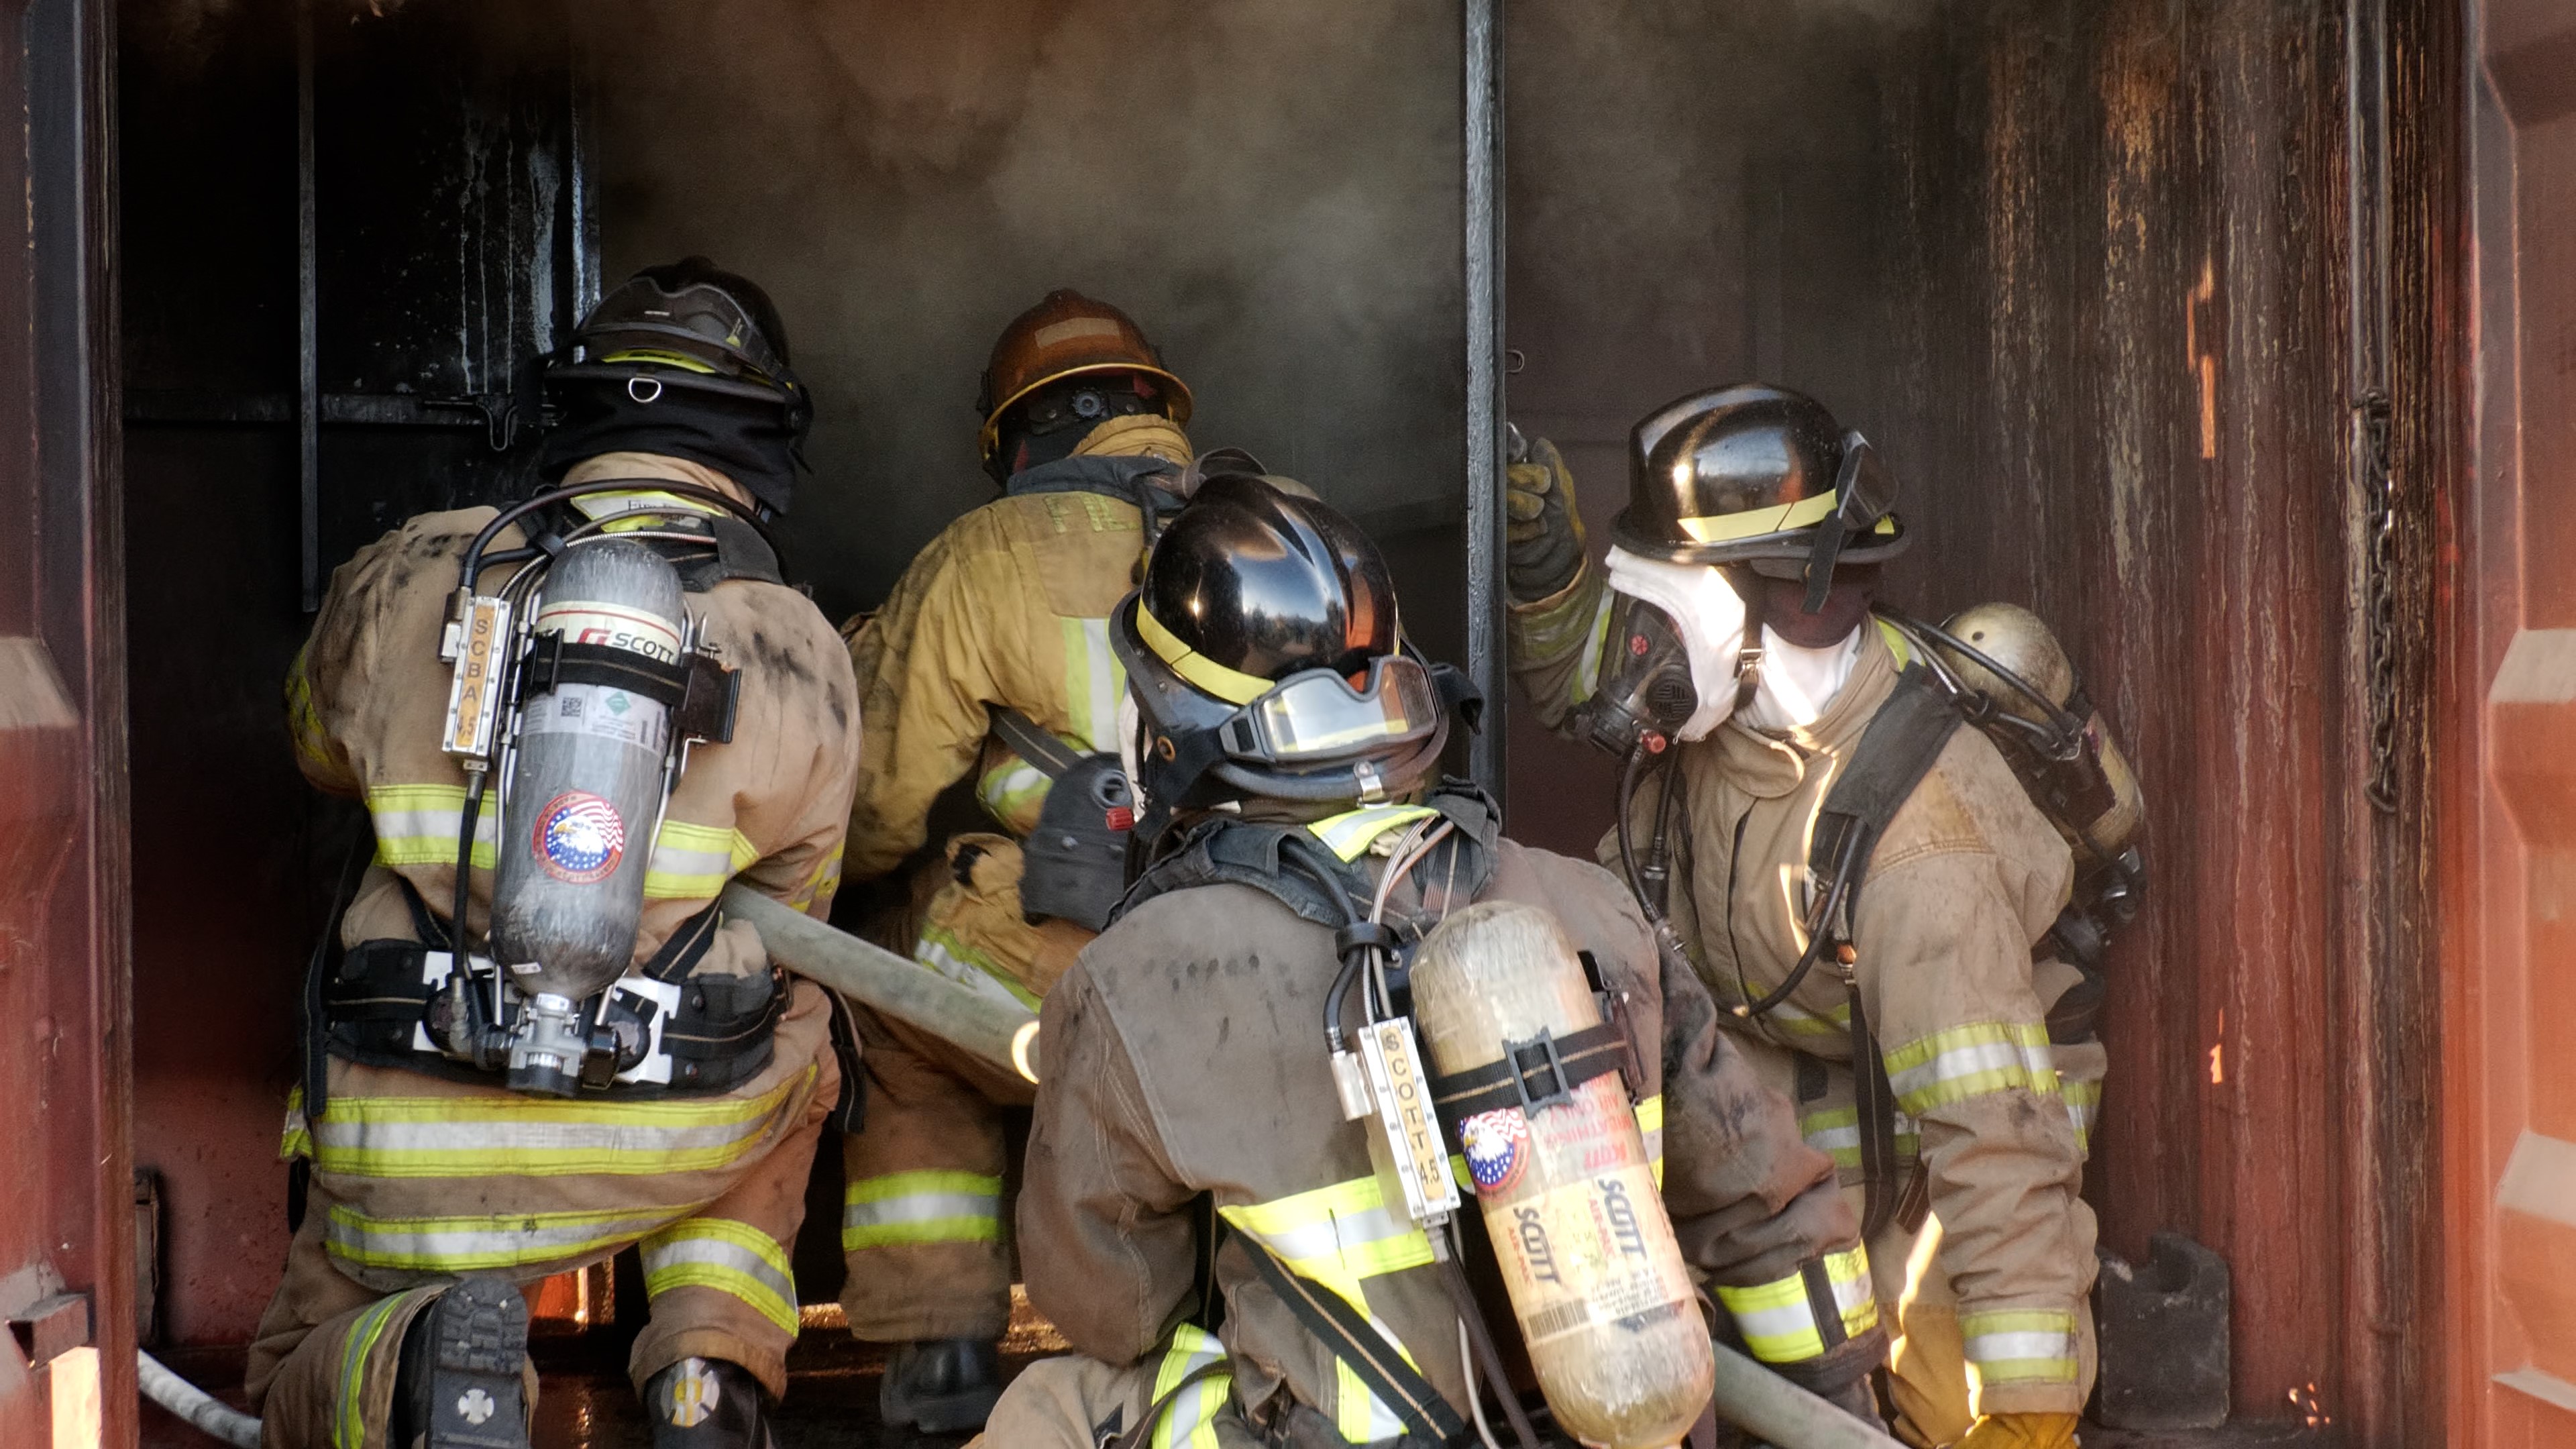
[(1726, 650), (991, 660), (1285, 740), (437, 1192)]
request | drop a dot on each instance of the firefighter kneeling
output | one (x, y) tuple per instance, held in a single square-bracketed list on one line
[(1234, 1256), (608, 694)]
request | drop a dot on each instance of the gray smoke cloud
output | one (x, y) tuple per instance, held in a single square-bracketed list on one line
[(1272, 191)]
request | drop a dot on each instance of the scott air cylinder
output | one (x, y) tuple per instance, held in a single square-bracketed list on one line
[(2094, 797), (1571, 1202), (586, 788)]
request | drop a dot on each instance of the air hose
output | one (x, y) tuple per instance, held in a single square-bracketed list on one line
[(209, 1415)]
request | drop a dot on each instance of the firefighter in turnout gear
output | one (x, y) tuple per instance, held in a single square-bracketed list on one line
[(1200, 1215), (437, 1191), (991, 658), (1731, 635)]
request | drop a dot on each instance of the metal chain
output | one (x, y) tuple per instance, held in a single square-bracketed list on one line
[(2379, 591)]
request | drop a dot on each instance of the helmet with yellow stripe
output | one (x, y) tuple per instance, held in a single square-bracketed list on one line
[(1760, 476), (1265, 658)]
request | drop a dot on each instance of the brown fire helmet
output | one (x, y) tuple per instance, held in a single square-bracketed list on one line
[(1067, 335)]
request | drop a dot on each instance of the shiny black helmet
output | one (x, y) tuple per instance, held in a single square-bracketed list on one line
[(1266, 659), (1760, 476), (689, 326)]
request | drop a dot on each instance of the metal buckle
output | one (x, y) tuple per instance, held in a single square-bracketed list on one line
[(1516, 1052)]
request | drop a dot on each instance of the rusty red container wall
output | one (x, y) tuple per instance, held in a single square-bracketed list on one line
[(2510, 1155), (66, 1226)]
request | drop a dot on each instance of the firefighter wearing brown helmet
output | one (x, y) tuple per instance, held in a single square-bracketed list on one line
[(991, 659), (1906, 1000)]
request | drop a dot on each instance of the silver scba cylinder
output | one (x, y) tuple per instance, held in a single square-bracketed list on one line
[(587, 785)]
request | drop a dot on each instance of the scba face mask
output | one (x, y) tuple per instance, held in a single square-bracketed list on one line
[(1673, 655)]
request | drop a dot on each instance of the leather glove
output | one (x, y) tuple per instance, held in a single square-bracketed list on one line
[(2021, 1431), (1544, 533)]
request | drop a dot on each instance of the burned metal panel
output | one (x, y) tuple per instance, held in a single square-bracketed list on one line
[(444, 244)]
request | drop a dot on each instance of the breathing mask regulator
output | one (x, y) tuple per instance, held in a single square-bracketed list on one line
[(579, 685)]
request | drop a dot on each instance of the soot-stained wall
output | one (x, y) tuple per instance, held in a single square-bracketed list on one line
[(1271, 191)]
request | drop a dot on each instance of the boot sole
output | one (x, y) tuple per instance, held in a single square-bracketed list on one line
[(479, 1338)]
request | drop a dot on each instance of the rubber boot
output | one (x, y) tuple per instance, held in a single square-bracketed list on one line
[(941, 1386), (708, 1403), (458, 1384)]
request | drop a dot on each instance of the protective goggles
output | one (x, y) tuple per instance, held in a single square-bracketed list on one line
[(1316, 717)]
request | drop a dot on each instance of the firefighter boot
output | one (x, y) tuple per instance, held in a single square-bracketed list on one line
[(941, 1386), (458, 1385), (707, 1403)]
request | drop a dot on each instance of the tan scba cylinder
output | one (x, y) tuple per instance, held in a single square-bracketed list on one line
[(2111, 810), (1596, 1279)]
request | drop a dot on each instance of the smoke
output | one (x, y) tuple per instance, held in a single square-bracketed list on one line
[(1271, 191)]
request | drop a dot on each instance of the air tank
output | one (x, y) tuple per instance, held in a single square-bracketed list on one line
[(1571, 1203), (586, 788), (2105, 813)]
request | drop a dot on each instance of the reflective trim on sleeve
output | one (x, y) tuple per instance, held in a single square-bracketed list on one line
[(693, 862), (495, 1135), (484, 1241), (1835, 1131), (1189, 1420), (416, 824), (1974, 1060), (948, 955), (2019, 1346), (901, 1208), (2083, 1109), (1361, 1416), (1093, 680), (1336, 1235), (1012, 793), (1794, 1020), (1587, 670), (303, 722), (1779, 1319), (1353, 831), (821, 885), (728, 1256)]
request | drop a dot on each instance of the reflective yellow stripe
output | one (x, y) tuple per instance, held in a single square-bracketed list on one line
[(1752, 523), (1835, 1131), (497, 1135), (728, 1256), (948, 955), (1093, 680), (822, 884), (2019, 1346), (416, 824), (296, 1138), (1796, 1020), (485, 1241), (1353, 831), (350, 1430), (1359, 1414), (1971, 1061), (2083, 1109), (1896, 644), (1587, 670), (1650, 1128), (1012, 793), (661, 358), (1336, 1235), (693, 862), (1778, 1319), (1231, 685), (899, 1208), (303, 723), (1189, 1420)]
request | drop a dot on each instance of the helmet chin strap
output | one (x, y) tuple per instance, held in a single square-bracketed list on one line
[(1748, 654)]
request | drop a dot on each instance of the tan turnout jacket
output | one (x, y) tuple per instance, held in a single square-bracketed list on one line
[(1185, 1056), (1966, 880)]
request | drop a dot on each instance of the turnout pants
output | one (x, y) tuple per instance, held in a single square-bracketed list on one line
[(419, 1180), (923, 1222), (1928, 1372)]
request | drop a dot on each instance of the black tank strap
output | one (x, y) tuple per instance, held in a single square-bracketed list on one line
[(1047, 754), (1530, 1074)]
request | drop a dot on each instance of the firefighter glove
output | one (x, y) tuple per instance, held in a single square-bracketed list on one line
[(1545, 534)]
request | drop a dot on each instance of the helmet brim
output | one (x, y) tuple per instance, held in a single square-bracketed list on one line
[(1794, 545), (988, 439)]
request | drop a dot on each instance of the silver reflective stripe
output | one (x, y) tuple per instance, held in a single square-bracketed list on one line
[(477, 1141), (1093, 678), (727, 1256), (502, 1240), (920, 1207)]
